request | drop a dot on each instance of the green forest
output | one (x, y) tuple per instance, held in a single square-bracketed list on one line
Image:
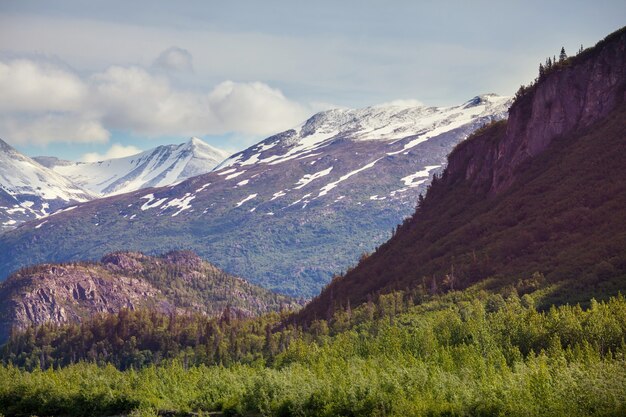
[(468, 352)]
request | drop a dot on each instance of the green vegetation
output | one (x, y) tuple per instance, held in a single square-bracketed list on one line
[(465, 353)]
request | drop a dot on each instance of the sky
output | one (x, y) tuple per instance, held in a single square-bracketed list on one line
[(98, 79)]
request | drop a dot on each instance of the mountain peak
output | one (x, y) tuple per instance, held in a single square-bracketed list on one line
[(160, 166), (5, 146), (194, 141)]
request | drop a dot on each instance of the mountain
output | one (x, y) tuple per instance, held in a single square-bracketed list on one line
[(287, 213), (161, 166), (536, 200), (29, 190), (174, 282)]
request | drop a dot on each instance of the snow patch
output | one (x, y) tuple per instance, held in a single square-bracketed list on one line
[(203, 187), (149, 204), (277, 195), (311, 177), (410, 180), (234, 175), (181, 203), (228, 171), (248, 198), (325, 189)]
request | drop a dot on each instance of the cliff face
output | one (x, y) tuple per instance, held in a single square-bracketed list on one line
[(61, 294), (572, 97), (542, 192), (177, 281)]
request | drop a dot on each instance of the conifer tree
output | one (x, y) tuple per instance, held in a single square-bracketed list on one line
[(562, 55)]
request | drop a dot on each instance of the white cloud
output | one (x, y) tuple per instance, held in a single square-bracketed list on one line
[(402, 103), (115, 151), (46, 128), (174, 58), (254, 108), (37, 86), (132, 99), (44, 103)]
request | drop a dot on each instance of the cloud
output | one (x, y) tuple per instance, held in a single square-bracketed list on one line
[(132, 99), (45, 103), (254, 108), (402, 103), (47, 128), (115, 151), (174, 59), (38, 86)]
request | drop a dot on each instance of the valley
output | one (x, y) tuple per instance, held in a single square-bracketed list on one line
[(390, 260)]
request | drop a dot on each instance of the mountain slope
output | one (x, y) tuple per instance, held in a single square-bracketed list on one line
[(161, 166), (287, 213), (175, 282), (29, 190), (536, 199)]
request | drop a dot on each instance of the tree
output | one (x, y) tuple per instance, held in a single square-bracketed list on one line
[(562, 55)]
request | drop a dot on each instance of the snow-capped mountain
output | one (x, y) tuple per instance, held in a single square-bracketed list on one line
[(287, 213), (161, 166), (29, 190), (399, 127)]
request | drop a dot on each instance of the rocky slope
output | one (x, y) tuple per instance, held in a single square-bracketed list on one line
[(177, 281), (577, 94), (29, 190), (287, 213), (537, 199), (161, 166)]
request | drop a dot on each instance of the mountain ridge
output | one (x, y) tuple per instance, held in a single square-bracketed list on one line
[(286, 213), (541, 199), (30, 191), (176, 282), (160, 166)]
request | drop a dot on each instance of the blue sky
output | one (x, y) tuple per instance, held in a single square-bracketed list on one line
[(80, 77)]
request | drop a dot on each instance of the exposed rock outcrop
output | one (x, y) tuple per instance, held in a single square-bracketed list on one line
[(176, 281), (578, 93), (540, 193)]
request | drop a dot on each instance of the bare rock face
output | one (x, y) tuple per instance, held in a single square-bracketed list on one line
[(184, 258), (575, 95), (68, 293), (177, 281), (124, 261)]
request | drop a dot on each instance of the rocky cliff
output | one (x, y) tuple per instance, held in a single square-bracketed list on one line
[(541, 195), (573, 96), (177, 281)]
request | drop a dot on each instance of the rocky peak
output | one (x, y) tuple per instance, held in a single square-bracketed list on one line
[(62, 293), (183, 258), (127, 261)]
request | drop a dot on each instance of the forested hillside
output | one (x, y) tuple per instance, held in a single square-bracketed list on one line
[(542, 192), (466, 353)]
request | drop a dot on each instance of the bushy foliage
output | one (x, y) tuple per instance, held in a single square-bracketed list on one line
[(465, 353)]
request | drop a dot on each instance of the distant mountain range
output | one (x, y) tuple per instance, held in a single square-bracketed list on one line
[(161, 166), (29, 190), (33, 188), (287, 213)]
